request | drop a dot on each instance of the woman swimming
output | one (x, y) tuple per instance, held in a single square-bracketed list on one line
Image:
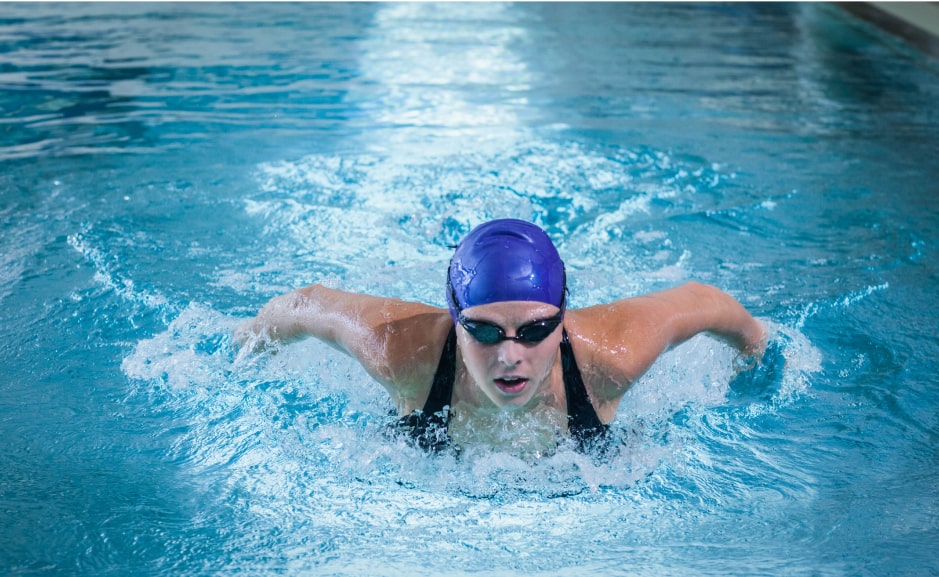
[(508, 344)]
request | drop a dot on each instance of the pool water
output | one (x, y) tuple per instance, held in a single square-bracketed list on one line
[(167, 168)]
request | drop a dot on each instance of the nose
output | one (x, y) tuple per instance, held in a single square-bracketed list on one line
[(510, 353)]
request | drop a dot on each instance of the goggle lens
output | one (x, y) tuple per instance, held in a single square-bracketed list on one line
[(490, 334)]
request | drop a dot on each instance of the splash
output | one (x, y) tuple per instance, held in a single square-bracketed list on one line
[(264, 423)]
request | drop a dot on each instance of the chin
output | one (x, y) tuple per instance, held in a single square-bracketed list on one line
[(516, 401)]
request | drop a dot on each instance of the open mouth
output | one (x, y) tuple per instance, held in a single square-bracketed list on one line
[(511, 385)]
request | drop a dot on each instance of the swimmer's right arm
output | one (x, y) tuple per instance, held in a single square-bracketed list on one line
[(397, 342), (310, 311), (276, 321), (381, 333)]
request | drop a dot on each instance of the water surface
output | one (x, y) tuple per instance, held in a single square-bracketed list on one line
[(167, 168)]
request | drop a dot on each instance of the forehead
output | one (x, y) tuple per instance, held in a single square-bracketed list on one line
[(511, 313)]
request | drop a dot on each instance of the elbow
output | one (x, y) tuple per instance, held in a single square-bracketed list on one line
[(705, 290)]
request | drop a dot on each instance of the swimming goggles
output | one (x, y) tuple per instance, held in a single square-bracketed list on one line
[(489, 334), (533, 332)]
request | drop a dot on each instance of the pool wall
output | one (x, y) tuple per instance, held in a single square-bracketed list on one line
[(915, 22)]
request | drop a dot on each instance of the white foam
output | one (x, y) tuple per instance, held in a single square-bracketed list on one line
[(173, 357)]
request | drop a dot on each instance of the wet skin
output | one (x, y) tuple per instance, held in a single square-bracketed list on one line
[(511, 374)]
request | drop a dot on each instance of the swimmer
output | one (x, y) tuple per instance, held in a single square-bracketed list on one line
[(508, 345)]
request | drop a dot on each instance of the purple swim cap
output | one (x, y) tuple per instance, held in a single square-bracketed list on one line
[(505, 260)]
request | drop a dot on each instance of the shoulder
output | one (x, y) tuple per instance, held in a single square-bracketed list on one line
[(397, 342), (408, 343), (619, 341), (606, 348), (618, 326), (615, 343)]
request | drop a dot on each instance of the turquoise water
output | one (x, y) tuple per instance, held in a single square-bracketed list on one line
[(167, 168)]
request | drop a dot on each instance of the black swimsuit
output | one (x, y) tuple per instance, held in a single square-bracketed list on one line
[(428, 426)]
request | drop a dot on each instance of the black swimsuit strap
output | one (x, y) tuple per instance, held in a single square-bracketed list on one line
[(441, 389), (582, 419), (428, 427)]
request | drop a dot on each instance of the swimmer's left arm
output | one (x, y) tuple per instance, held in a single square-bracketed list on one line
[(694, 308), (636, 331)]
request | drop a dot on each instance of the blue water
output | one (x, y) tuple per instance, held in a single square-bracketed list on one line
[(167, 168)]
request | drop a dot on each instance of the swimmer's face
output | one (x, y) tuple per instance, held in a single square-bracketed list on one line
[(510, 373)]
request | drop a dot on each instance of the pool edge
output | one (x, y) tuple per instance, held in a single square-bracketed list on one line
[(915, 22)]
